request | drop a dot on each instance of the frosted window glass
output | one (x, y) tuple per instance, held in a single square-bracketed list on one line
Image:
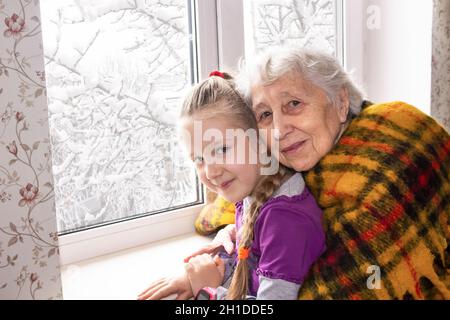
[(116, 73), (309, 23)]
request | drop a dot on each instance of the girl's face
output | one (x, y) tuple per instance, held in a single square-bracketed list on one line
[(224, 157)]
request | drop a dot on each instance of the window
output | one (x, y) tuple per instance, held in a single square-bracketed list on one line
[(116, 72)]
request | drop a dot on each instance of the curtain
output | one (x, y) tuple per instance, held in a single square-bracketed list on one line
[(440, 78), (29, 255)]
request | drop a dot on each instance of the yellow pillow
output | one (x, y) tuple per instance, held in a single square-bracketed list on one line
[(215, 216)]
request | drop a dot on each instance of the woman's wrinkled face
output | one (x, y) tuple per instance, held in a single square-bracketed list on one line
[(308, 123)]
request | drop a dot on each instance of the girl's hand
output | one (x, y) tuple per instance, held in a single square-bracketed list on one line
[(205, 271), (225, 238), (164, 287)]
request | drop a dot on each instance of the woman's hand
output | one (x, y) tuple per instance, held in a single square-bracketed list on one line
[(224, 238), (205, 271), (164, 287)]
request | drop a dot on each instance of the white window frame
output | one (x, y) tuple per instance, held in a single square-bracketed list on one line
[(219, 28), (220, 34)]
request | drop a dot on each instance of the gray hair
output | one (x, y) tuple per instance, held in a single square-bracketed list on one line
[(320, 69)]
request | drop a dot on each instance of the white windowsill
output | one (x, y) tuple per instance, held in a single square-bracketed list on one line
[(99, 241), (125, 274)]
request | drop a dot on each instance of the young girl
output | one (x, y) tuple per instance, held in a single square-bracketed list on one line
[(278, 223)]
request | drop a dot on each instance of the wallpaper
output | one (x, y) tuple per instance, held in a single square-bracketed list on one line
[(29, 255)]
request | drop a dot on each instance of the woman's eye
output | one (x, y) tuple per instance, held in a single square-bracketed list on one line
[(294, 103), (264, 115)]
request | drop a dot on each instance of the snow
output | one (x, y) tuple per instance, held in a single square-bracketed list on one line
[(286, 3)]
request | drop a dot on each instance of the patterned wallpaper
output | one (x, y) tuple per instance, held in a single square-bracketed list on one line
[(440, 78), (29, 255)]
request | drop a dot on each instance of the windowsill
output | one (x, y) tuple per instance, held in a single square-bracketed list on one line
[(125, 274)]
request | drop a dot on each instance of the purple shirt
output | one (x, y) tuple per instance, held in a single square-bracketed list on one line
[(288, 238)]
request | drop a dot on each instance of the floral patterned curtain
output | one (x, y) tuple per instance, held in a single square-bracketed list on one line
[(440, 78), (29, 253)]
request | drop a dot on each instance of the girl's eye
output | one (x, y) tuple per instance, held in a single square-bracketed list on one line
[(222, 150), (264, 115), (294, 104)]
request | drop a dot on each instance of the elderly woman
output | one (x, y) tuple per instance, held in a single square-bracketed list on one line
[(380, 172)]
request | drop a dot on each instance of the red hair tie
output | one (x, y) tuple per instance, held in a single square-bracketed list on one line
[(217, 74), (243, 253)]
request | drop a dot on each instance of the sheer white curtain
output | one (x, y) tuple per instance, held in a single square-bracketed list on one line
[(440, 78)]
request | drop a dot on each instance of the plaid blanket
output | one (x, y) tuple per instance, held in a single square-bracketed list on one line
[(385, 193)]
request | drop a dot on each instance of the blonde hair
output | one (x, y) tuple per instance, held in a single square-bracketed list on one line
[(321, 69), (217, 96)]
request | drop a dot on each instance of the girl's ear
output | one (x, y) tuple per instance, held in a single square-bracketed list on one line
[(343, 105)]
